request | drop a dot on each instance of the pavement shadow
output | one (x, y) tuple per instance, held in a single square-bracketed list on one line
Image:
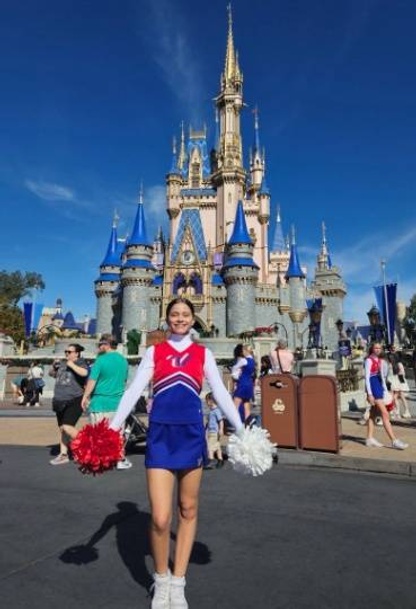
[(131, 526)]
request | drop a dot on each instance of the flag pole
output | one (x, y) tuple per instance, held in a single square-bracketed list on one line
[(383, 268)]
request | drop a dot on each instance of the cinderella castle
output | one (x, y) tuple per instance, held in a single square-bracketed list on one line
[(218, 254)]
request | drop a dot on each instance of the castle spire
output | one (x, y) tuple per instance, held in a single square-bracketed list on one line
[(182, 153), (174, 167), (256, 131), (112, 256), (278, 239), (230, 59), (139, 233), (294, 269), (240, 233)]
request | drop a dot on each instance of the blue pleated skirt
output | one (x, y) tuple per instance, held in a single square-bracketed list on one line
[(376, 387), (175, 446)]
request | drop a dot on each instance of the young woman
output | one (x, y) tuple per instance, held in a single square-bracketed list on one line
[(70, 375), (244, 373), (375, 382), (176, 443)]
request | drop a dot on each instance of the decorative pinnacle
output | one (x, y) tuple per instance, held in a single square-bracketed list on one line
[(230, 54), (116, 218), (141, 193)]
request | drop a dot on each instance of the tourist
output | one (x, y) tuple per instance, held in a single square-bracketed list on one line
[(16, 387), (215, 431), (105, 385), (281, 358), (70, 376), (375, 382), (176, 443)]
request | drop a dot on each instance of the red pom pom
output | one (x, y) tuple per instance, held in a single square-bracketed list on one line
[(97, 448)]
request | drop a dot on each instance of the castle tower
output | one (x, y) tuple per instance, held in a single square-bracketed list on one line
[(230, 176), (295, 278), (108, 282), (329, 284), (137, 275), (240, 275)]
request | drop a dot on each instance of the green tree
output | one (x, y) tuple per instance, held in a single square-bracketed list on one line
[(11, 322), (13, 287), (16, 285), (133, 342)]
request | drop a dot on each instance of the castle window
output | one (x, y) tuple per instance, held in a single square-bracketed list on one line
[(195, 175)]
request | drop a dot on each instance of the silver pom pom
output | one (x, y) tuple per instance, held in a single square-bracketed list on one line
[(251, 451)]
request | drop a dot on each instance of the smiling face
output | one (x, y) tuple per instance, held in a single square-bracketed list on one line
[(180, 318), (377, 349)]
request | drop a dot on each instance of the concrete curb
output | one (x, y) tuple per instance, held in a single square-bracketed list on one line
[(357, 464)]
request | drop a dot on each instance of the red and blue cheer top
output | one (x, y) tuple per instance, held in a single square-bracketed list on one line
[(177, 384)]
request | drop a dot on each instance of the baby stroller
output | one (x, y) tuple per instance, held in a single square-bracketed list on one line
[(135, 430)]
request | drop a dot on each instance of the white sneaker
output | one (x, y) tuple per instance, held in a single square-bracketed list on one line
[(161, 591), (399, 444), (124, 464), (177, 593), (406, 415), (372, 442), (379, 421)]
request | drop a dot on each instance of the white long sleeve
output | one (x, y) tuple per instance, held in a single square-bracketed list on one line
[(221, 395), (142, 378), (236, 369)]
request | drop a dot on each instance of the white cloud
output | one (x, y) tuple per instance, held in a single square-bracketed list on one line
[(168, 42), (49, 191)]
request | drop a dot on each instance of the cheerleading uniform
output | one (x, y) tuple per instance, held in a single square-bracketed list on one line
[(245, 385), (176, 435), (375, 381)]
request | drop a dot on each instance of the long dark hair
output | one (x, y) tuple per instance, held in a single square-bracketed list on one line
[(180, 300)]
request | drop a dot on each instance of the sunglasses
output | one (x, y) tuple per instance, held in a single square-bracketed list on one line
[(66, 352)]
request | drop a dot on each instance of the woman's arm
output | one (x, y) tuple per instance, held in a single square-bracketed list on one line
[(236, 369), (367, 369), (142, 378), (221, 395)]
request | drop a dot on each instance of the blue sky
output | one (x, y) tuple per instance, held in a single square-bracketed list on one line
[(92, 93)]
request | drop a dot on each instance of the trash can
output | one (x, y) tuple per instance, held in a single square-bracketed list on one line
[(279, 410), (319, 418)]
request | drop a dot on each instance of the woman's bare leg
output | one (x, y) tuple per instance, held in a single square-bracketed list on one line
[(160, 484), (189, 483)]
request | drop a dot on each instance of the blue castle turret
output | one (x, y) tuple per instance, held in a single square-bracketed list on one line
[(240, 274), (137, 274), (295, 278), (108, 282)]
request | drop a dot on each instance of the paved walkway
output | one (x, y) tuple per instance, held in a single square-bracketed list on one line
[(20, 426)]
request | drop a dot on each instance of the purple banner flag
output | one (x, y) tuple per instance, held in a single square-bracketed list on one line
[(386, 302), (27, 317), (37, 312)]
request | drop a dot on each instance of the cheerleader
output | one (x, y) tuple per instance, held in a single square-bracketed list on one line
[(375, 382), (176, 444), (244, 374)]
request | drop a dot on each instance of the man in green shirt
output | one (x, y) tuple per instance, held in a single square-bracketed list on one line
[(105, 385)]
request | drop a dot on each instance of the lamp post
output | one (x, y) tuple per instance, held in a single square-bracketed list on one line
[(377, 328), (276, 325)]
